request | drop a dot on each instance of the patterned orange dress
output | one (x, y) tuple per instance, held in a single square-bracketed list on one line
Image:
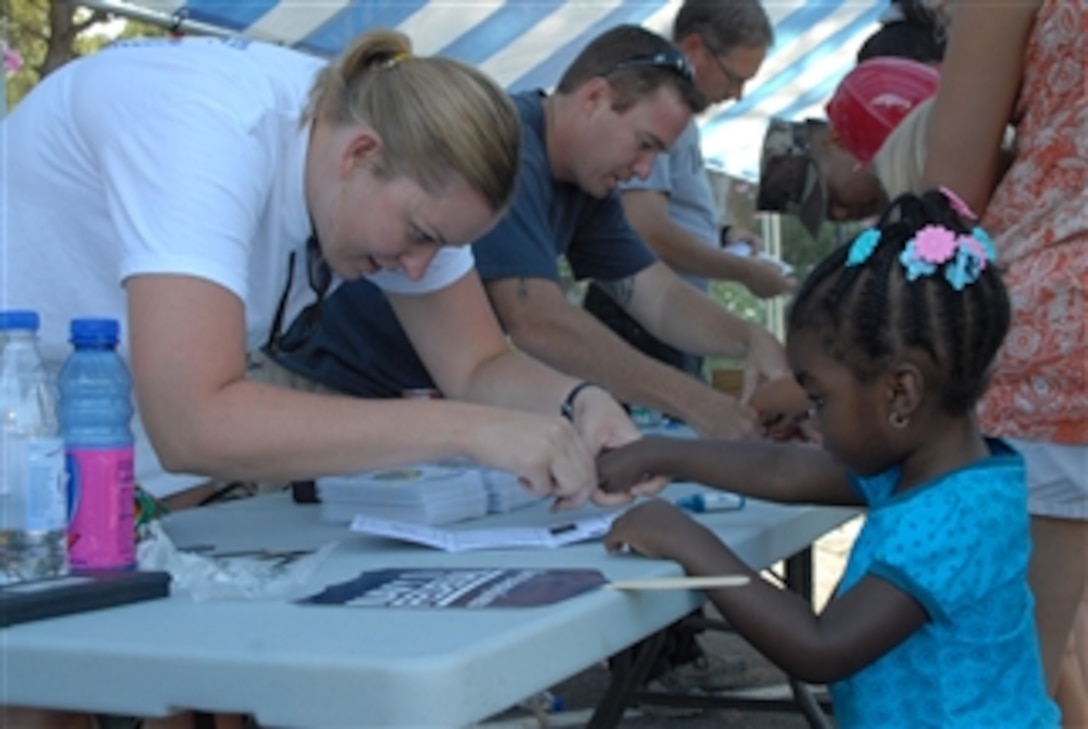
[(1038, 218)]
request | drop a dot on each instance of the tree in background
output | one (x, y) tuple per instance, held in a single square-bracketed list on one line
[(799, 249), (46, 34)]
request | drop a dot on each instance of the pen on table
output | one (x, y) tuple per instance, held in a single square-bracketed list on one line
[(712, 501), (562, 528)]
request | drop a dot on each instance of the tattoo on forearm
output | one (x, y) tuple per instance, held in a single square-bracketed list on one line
[(621, 289)]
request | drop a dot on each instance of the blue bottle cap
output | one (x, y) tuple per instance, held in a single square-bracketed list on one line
[(20, 319), (92, 331)]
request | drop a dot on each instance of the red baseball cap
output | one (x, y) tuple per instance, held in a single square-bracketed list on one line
[(874, 97)]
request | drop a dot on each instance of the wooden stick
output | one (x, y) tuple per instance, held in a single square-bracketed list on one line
[(679, 583)]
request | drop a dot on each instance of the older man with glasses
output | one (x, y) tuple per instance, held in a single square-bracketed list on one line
[(674, 209)]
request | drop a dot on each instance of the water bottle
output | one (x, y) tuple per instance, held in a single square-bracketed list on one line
[(95, 418), (33, 493)]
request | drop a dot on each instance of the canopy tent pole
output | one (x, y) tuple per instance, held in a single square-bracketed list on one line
[(175, 22), (772, 243)]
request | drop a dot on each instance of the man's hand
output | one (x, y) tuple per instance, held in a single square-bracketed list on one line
[(735, 234), (763, 275), (765, 278), (783, 409), (765, 361), (718, 415)]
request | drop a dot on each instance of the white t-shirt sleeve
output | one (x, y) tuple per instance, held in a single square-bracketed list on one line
[(187, 183), (448, 265)]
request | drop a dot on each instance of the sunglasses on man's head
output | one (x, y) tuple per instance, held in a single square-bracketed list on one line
[(671, 60)]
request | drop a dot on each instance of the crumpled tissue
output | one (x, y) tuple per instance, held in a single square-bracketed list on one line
[(249, 575)]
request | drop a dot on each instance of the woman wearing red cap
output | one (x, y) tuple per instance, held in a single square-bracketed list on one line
[(1024, 63), (871, 101), (831, 170)]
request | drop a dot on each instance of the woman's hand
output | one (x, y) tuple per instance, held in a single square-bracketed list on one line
[(601, 421), (546, 453)]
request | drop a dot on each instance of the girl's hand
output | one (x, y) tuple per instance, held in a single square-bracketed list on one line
[(622, 469), (657, 529), (605, 427)]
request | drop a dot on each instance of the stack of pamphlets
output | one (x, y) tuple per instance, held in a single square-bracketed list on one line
[(591, 525), (504, 493), (431, 493), (434, 493)]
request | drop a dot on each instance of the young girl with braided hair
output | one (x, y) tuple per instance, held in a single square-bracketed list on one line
[(892, 338)]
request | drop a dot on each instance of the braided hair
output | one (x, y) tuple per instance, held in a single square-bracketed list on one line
[(875, 299)]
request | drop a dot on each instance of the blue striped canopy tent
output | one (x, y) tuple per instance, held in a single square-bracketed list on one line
[(527, 43)]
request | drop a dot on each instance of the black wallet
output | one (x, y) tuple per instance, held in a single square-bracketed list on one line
[(78, 592)]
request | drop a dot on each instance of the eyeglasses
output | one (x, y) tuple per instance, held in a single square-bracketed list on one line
[(735, 80), (670, 60)]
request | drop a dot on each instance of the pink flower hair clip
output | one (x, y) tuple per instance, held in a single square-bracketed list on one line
[(963, 257), (935, 243)]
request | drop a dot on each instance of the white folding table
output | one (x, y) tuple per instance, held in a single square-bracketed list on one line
[(293, 665)]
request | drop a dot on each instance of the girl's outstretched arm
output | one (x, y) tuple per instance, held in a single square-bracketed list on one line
[(854, 630), (784, 472)]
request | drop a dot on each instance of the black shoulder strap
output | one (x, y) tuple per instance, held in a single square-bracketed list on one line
[(277, 321)]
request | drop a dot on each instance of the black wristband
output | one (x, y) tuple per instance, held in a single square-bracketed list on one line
[(723, 236), (567, 408)]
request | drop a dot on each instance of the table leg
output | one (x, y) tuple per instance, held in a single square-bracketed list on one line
[(631, 667), (799, 573)]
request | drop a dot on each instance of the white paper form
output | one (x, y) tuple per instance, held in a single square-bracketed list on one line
[(461, 540)]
